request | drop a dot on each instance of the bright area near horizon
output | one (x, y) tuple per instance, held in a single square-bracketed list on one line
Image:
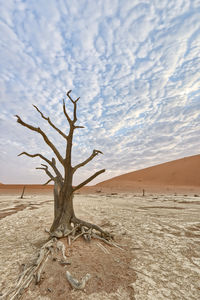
[(135, 66)]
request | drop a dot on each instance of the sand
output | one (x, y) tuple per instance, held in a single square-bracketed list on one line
[(179, 176)]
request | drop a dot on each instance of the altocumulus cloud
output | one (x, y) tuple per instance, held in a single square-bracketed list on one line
[(135, 64)]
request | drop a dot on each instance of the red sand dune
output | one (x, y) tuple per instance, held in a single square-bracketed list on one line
[(181, 174), (30, 189)]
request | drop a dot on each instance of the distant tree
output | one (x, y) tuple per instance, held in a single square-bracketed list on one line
[(22, 194), (65, 220)]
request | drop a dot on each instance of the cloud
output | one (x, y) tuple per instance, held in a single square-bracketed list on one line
[(134, 64)]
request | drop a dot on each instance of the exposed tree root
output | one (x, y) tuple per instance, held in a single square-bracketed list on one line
[(79, 228), (110, 243), (87, 225), (31, 273), (60, 246)]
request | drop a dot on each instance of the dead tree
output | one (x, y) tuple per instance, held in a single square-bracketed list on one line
[(22, 194), (65, 220)]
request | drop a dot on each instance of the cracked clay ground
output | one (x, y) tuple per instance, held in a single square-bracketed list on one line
[(161, 234)]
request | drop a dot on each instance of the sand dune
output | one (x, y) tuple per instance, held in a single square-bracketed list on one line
[(182, 173), (182, 176), (16, 189)]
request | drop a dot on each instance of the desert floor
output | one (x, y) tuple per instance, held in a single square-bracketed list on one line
[(160, 235)]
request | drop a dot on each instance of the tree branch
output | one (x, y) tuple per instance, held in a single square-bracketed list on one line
[(47, 171), (75, 106), (47, 181), (75, 127), (73, 101), (49, 121), (88, 180), (66, 114), (94, 153), (48, 142), (75, 117), (59, 175), (51, 163)]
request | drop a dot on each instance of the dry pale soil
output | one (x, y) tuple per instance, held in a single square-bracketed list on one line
[(159, 234)]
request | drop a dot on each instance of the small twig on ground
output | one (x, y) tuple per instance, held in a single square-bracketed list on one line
[(103, 248), (117, 246), (106, 241), (64, 262)]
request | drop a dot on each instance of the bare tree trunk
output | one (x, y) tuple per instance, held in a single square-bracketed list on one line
[(63, 212), (56, 192), (22, 194)]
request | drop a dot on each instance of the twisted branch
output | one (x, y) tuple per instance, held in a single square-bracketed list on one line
[(49, 174), (75, 106), (88, 180), (70, 121), (51, 163), (66, 114), (46, 139), (46, 171), (94, 153), (47, 181), (49, 121)]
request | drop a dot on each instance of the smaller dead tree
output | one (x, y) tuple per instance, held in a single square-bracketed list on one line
[(22, 194), (65, 222)]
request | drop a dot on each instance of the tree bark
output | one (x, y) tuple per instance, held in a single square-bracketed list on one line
[(63, 211)]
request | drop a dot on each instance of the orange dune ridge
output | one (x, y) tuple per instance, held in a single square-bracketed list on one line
[(178, 176), (181, 175), (29, 189)]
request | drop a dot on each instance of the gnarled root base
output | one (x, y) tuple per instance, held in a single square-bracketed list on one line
[(87, 228), (80, 228), (61, 231)]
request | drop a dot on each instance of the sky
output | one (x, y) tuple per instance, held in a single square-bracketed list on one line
[(134, 64)]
